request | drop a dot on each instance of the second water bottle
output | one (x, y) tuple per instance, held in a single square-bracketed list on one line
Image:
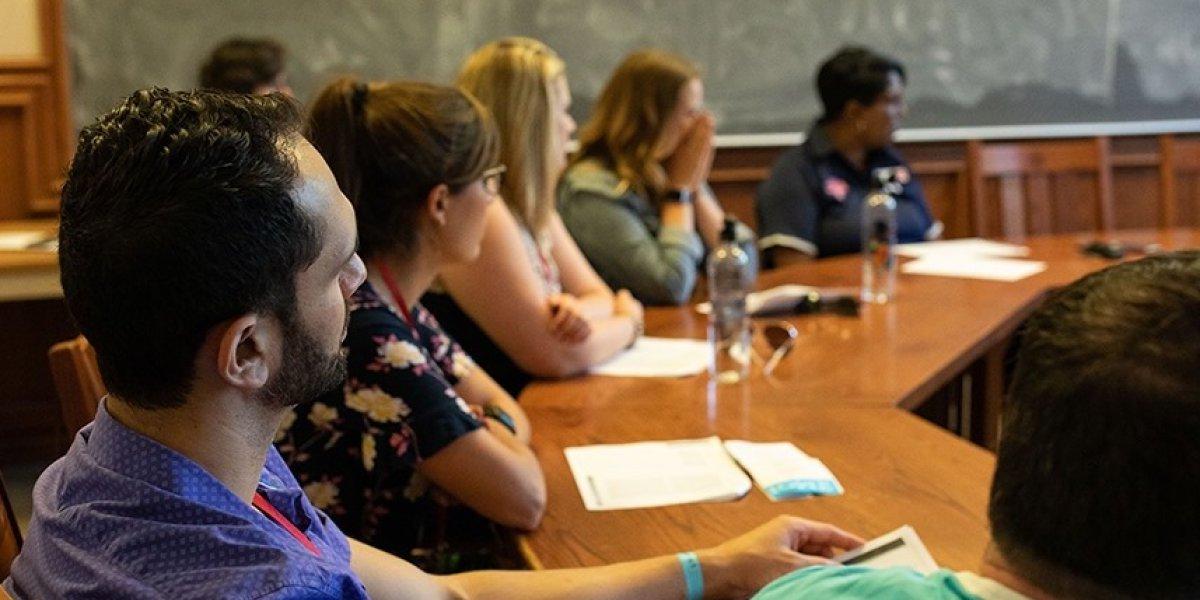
[(730, 278)]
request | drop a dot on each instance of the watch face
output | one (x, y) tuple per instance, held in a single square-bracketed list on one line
[(681, 196)]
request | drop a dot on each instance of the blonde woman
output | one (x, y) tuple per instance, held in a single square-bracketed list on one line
[(530, 305), (636, 198)]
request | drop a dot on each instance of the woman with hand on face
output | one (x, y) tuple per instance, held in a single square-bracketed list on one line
[(635, 197), (811, 205), (530, 305), (420, 449)]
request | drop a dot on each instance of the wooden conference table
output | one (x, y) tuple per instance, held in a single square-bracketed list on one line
[(843, 395)]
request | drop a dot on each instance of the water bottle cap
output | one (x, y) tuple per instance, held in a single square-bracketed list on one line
[(729, 231), (885, 180)]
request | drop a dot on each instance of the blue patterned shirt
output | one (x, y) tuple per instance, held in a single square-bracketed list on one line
[(122, 516)]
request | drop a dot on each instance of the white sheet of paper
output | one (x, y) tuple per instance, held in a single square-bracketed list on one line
[(899, 548), (20, 240), (962, 247), (975, 267), (783, 471), (645, 474), (659, 357)]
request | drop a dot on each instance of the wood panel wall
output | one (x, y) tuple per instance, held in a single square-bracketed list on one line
[(35, 128), (36, 143), (1155, 181)]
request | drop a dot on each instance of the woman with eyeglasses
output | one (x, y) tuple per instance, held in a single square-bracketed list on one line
[(636, 196), (530, 305), (420, 452)]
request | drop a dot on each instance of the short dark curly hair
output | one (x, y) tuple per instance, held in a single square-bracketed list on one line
[(854, 73), (242, 64), (177, 214), (1093, 495)]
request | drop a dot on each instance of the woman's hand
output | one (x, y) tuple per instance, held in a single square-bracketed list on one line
[(689, 165), (567, 321), (625, 305)]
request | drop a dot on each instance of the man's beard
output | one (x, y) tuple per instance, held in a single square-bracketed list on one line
[(306, 372)]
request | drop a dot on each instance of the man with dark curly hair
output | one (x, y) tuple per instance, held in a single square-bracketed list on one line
[(208, 255)]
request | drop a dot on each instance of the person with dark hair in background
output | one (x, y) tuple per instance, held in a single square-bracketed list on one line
[(417, 422), (209, 256), (811, 204), (1094, 491), (246, 66), (636, 196)]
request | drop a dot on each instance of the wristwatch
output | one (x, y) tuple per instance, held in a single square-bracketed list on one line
[(498, 414), (678, 195)]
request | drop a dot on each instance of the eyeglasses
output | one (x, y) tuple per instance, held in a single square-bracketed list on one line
[(492, 178), (781, 337)]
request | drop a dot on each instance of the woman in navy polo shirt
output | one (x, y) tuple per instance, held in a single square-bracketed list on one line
[(811, 205)]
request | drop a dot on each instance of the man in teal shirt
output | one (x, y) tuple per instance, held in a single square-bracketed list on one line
[(1094, 491)]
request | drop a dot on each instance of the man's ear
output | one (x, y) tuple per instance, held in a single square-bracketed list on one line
[(437, 203), (853, 110), (244, 348)]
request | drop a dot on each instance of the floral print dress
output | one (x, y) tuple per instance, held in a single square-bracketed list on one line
[(355, 450)]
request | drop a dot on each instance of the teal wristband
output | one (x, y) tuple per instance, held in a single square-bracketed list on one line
[(693, 576)]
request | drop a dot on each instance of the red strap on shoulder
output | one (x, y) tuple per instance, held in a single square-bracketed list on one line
[(261, 503), (390, 281)]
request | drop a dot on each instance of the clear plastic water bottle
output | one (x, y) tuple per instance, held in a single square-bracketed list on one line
[(730, 278), (879, 239)]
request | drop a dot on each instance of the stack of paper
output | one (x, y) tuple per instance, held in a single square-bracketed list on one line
[(783, 471), (644, 474), (22, 240), (971, 258), (975, 267), (962, 247), (659, 357)]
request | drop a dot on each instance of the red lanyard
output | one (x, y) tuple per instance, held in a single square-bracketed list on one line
[(386, 274), (260, 502), (547, 272)]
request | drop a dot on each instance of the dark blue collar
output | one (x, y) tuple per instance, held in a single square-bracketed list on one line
[(820, 148)]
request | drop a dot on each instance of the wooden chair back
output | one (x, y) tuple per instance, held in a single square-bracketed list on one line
[(1179, 177), (77, 380), (10, 533), (1040, 186)]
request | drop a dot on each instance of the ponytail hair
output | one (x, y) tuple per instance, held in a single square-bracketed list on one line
[(389, 144)]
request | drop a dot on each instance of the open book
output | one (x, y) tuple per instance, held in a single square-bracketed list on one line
[(646, 474)]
